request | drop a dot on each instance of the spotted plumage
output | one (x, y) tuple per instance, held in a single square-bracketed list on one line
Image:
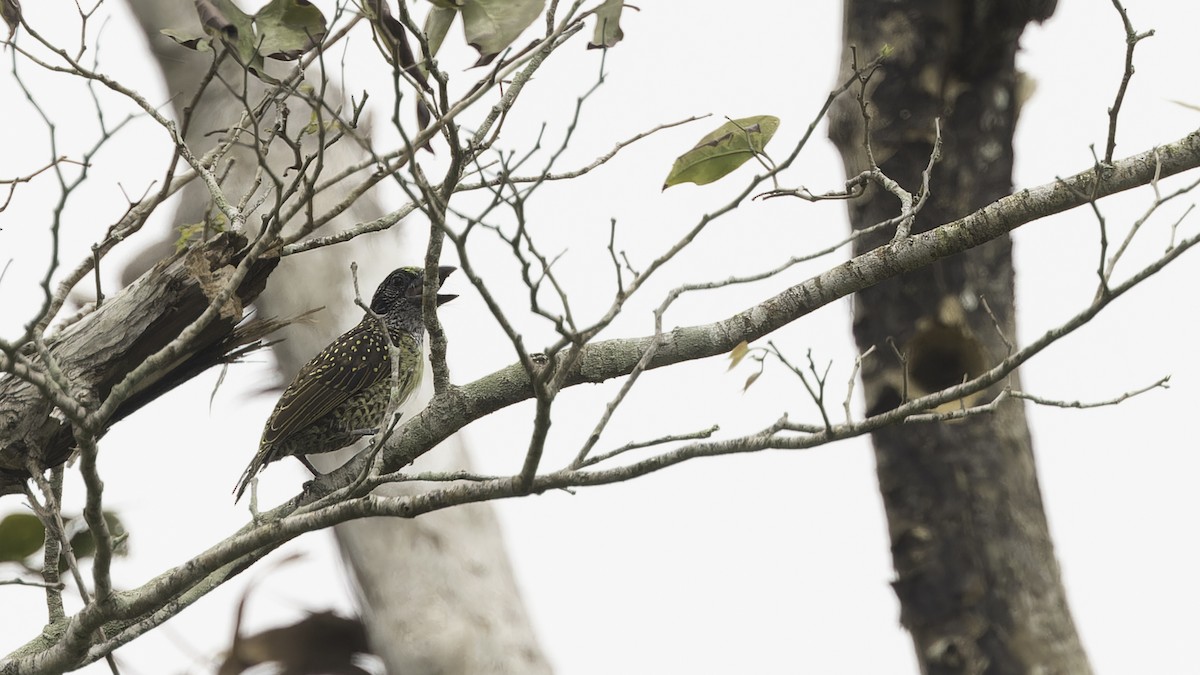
[(342, 393)]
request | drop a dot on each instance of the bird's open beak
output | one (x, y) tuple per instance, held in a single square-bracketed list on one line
[(443, 272)]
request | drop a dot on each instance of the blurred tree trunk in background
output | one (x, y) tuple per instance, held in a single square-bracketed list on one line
[(439, 593), (976, 576)]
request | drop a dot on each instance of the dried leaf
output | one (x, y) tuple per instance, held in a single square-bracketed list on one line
[(392, 38), (10, 11), (739, 352), (391, 35), (211, 281), (750, 380)]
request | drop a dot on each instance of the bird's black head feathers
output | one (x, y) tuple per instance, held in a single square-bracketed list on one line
[(403, 288)]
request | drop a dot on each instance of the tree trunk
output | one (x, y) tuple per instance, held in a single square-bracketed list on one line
[(978, 584), (440, 594)]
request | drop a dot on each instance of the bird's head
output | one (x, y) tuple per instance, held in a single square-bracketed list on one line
[(402, 288)]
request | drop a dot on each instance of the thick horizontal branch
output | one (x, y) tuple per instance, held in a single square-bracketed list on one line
[(612, 358), (105, 345), (605, 360)]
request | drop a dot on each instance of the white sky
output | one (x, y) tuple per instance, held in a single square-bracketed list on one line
[(770, 563)]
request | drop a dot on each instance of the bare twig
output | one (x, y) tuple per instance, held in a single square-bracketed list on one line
[(1161, 383), (1132, 37)]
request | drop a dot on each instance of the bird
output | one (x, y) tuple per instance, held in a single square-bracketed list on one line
[(342, 393)]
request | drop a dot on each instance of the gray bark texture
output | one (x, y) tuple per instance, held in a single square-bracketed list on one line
[(440, 595), (978, 583), (95, 353)]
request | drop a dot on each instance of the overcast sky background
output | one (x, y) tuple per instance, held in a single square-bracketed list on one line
[(770, 563)]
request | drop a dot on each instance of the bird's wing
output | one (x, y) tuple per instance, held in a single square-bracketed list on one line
[(349, 365)]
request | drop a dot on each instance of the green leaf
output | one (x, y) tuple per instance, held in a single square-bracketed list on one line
[(284, 30), (437, 24), (190, 232), (492, 25), (722, 151), (314, 125), (608, 25), (187, 233), (198, 42), (21, 535), (224, 20), (287, 29), (739, 352), (83, 544)]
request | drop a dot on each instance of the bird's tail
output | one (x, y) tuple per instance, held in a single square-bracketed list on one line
[(260, 460)]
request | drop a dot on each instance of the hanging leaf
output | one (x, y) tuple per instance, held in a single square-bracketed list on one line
[(283, 30), (392, 38), (750, 380), (390, 35), (288, 29), (10, 11), (83, 543), (225, 20), (437, 24), (608, 25), (722, 151), (220, 19), (223, 17), (492, 25), (739, 352), (21, 535)]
